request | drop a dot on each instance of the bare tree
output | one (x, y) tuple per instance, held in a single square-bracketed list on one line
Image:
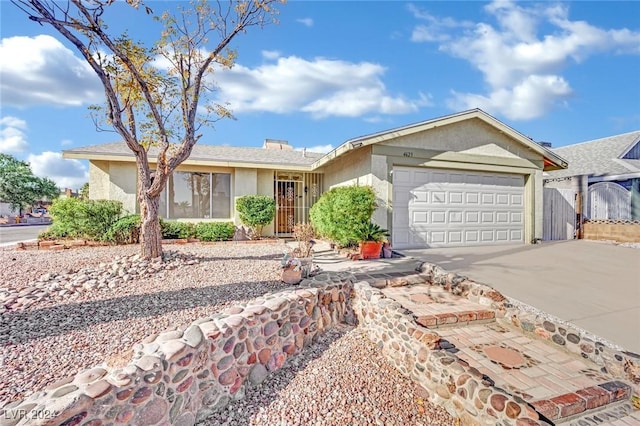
[(156, 96)]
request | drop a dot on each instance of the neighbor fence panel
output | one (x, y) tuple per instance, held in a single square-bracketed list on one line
[(559, 214), (608, 200)]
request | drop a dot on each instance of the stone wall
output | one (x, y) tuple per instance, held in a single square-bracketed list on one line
[(620, 364), (622, 231), (451, 382), (178, 377), (415, 350)]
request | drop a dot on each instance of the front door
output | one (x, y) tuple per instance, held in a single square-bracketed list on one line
[(286, 214)]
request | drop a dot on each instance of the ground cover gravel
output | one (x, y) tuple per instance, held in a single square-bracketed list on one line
[(340, 379)]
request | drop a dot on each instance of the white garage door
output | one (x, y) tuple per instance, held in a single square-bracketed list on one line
[(448, 208)]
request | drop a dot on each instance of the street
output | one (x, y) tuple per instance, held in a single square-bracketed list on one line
[(13, 234)]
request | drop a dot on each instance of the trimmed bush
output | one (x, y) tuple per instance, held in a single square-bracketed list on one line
[(172, 230), (215, 231), (125, 230), (341, 211), (256, 211), (77, 218)]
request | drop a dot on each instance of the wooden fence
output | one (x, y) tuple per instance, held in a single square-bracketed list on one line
[(559, 214)]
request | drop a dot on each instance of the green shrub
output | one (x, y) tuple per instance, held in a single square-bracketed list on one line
[(215, 231), (256, 211), (77, 218), (125, 230), (48, 234), (341, 211), (172, 229)]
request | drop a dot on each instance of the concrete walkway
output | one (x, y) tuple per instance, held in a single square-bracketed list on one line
[(593, 285)]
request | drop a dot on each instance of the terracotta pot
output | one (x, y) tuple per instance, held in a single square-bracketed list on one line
[(370, 249), (290, 276)]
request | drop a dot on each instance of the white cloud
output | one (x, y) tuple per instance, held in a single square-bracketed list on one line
[(434, 28), (13, 140), (521, 67), (321, 87), (42, 71), (271, 54), (318, 148), (529, 99), (66, 173), (66, 142), (308, 22)]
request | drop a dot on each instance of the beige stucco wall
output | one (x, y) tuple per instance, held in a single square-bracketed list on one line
[(353, 168), (265, 187), (469, 137), (114, 181)]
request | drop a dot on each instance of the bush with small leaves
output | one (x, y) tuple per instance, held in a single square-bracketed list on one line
[(172, 230), (125, 230), (256, 211), (215, 231), (339, 213), (77, 218)]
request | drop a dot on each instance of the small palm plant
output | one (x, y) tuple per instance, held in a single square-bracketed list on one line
[(371, 232)]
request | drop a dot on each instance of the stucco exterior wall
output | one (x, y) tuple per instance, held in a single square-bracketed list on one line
[(123, 185), (244, 182), (353, 168), (114, 181), (265, 187), (99, 180), (468, 137)]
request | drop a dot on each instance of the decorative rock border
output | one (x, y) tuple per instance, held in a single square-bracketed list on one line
[(103, 277), (179, 377), (67, 244)]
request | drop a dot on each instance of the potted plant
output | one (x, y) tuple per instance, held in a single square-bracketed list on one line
[(371, 237), (298, 263)]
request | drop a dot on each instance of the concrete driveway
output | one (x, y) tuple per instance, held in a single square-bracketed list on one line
[(593, 285)]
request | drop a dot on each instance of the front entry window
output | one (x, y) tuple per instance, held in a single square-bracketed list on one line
[(193, 195)]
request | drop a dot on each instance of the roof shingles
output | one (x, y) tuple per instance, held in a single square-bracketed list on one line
[(598, 157), (216, 153)]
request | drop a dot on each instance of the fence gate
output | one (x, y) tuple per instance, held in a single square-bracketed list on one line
[(559, 214), (295, 193), (608, 200)]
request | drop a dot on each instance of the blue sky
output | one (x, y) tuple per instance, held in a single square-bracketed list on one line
[(563, 72)]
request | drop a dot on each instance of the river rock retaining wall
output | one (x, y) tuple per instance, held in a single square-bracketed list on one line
[(450, 381), (178, 377), (620, 364)]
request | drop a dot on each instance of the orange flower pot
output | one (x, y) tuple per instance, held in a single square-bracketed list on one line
[(370, 249)]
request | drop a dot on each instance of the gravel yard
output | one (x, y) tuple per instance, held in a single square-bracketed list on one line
[(340, 377)]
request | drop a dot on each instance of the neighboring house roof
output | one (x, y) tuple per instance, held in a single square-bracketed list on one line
[(216, 155), (552, 161), (601, 157)]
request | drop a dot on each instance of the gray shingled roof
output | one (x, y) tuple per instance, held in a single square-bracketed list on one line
[(598, 157), (216, 153)]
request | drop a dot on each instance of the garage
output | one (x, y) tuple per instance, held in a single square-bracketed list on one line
[(448, 208)]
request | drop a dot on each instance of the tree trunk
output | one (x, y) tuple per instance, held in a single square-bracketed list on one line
[(150, 233)]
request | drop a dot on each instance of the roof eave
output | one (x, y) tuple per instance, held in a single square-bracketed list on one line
[(96, 156), (552, 161)]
